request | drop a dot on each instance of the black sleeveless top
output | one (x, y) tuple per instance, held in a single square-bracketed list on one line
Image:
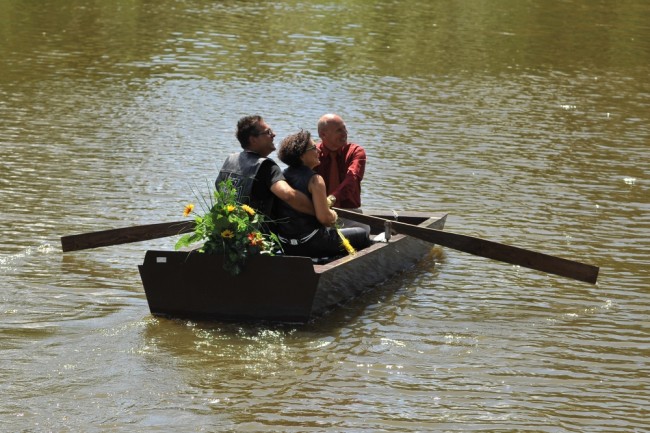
[(290, 222)]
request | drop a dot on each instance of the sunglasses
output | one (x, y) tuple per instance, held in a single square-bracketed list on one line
[(268, 132)]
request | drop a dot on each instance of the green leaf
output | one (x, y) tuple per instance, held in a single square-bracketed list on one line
[(183, 242)]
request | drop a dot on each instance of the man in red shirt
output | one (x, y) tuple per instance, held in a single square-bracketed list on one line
[(342, 164)]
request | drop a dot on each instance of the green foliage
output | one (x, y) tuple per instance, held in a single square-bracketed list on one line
[(229, 228)]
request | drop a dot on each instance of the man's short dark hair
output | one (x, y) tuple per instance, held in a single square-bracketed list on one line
[(247, 126)]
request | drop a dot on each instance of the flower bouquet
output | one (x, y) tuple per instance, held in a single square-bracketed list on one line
[(229, 228)]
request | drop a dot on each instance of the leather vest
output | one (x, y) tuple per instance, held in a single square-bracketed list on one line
[(242, 169), (290, 222)]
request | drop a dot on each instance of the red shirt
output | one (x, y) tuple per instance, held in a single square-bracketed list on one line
[(351, 161)]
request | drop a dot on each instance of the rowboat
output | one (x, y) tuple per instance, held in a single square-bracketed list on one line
[(280, 288)]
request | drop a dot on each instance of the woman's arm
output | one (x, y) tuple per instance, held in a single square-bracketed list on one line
[(324, 214)]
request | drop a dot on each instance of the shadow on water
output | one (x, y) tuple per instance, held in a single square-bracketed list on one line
[(44, 289)]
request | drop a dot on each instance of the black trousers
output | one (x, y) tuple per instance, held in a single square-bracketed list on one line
[(327, 243)]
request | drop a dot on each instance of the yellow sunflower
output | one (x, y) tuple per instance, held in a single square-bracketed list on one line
[(227, 234), (188, 209), (248, 209)]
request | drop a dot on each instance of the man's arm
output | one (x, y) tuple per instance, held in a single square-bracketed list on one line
[(349, 189), (292, 197)]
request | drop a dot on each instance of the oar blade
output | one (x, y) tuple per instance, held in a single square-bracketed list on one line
[(488, 249), (124, 235), (505, 253)]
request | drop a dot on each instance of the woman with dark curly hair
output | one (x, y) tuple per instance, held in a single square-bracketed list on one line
[(302, 234)]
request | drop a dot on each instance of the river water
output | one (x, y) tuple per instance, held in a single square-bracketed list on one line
[(527, 121)]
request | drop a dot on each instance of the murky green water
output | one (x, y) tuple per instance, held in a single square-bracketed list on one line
[(527, 121)]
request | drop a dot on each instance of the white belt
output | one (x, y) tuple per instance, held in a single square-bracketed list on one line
[(298, 241)]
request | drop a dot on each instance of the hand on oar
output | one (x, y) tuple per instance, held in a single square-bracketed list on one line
[(484, 248)]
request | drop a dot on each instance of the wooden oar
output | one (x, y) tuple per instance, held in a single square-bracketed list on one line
[(489, 249), (124, 235)]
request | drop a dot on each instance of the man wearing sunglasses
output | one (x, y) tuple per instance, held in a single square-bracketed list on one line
[(258, 179)]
